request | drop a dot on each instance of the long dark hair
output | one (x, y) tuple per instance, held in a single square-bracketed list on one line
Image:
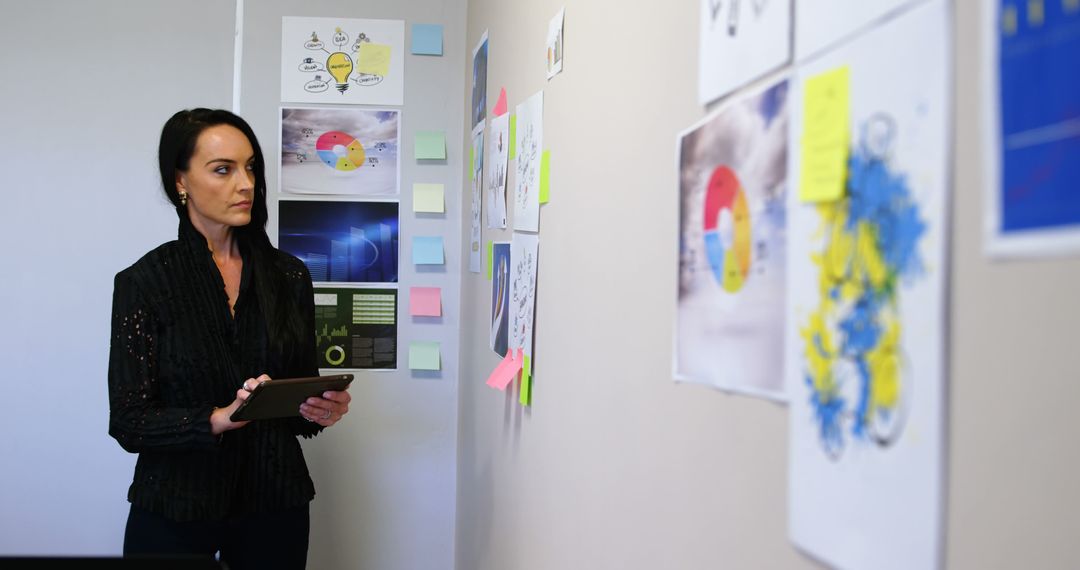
[(284, 324)]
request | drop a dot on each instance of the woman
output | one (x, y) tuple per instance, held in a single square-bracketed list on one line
[(191, 320)]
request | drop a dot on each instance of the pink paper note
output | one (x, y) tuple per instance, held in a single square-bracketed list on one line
[(425, 301), (500, 105), (505, 372)]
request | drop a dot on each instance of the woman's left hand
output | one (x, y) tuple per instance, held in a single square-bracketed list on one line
[(328, 410)]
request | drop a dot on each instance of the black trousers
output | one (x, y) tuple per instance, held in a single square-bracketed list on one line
[(271, 541)]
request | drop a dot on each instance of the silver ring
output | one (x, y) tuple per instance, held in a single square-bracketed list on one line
[(328, 414)]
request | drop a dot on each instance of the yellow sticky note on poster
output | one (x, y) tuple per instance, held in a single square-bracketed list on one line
[(545, 176), (525, 397), (825, 137), (512, 152), (373, 59)]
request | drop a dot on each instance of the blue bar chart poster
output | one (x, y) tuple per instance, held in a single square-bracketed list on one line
[(1034, 128), (342, 241)]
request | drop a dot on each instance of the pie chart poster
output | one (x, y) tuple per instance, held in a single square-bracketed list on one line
[(342, 242), (732, 184), (340, 151)]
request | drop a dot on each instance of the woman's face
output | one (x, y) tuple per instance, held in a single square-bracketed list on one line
[(220, 180)]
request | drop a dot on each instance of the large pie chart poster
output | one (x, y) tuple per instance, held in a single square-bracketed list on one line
[(340, 151), (732, 188), (727, 229)]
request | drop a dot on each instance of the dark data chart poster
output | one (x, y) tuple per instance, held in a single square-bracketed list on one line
[(356, 328), (342, 242)]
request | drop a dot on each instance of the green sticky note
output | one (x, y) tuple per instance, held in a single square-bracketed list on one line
[(525, 398), (428, 198), (826, 133), (512, 153), (424, 355), (373, 59), (430, 145), (545, 176), (490, 251)]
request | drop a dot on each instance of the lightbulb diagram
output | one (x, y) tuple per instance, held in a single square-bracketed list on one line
[(340, 63)]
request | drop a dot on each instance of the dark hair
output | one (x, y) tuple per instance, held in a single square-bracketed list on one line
[(284, 323)]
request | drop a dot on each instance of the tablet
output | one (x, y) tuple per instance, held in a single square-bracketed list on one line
[(282, 398)]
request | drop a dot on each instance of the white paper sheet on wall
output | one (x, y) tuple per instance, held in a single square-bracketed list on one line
[(865, 330), (342, 61), (495, 181), (821, 23), (555, 44), (477, 197), (739, 41), (529, 146), (524, 249)]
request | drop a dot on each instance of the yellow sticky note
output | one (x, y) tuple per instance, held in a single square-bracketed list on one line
[(512, 152), (373, 59), (428, 198), (826, 135), (545, 176), (490, 251), (525, 398)]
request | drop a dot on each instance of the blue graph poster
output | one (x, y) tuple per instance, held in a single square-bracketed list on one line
[(342, 241), (1035, 160)]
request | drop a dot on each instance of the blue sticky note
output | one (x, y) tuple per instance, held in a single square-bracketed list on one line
[(427, 250), (427, 39)]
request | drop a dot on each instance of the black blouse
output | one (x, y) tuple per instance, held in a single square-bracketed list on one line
[(176, 353)]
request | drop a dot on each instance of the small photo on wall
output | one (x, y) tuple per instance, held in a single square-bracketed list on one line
[(342, 242), (500, 298), (340, 151), (479, 82), (356, 328)]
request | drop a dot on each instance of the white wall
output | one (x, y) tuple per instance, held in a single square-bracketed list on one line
[(617, 467), (87, 88)]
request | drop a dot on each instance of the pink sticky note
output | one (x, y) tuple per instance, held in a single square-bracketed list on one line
[(500, 377), (425, 301), (500, 105), (505, 372)]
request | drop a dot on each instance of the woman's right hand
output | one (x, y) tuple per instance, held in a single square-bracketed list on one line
[(219, 418)]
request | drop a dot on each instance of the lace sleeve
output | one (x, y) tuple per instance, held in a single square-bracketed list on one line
[(138, 420)]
